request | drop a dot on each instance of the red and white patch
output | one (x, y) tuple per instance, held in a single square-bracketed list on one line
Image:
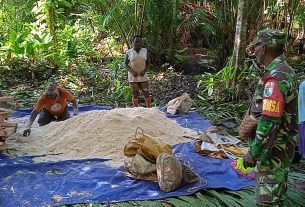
[(273, 99), (268, 89)]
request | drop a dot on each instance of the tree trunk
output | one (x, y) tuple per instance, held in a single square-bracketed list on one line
[(51, 22), (255, 18), (173, 27), (142, 18), (136, 9), (292, 7), (240, 35)]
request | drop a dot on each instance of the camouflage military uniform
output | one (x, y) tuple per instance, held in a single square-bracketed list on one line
[(275, 107)]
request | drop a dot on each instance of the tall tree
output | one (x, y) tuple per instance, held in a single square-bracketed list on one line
[(240, 35)]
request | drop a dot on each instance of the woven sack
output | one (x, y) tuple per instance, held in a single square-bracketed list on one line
[(248, 126), (169, 172)]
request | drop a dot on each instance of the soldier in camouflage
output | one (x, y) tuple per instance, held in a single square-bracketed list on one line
[(275, 108)]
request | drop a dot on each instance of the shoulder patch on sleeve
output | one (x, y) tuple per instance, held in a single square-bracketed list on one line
[(273, 99), (268, 88)]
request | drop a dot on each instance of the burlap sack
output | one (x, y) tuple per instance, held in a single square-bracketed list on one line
[(181, 104), (138, 167), (169, 172), (248, 126), (142, 166), (146, 146), (2, 145), (188, 174), (173, 173)]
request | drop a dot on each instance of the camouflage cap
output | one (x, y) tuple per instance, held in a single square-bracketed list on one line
[(270, 37)]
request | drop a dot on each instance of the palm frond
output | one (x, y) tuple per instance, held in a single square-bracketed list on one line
[(149, 203), (124, 204), (178, 202), (191, 200)]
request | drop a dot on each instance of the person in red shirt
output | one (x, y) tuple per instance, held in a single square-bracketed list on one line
[(52, 106)]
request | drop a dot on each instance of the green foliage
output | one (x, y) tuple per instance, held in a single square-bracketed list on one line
[(27, 43), (76, 40), (224, 96), (47, 12), (13, 46), (227, 84), (300, 16), (159, 22), (46, 39), (199, 22), (221, 112), (13, 15), (121, 90)]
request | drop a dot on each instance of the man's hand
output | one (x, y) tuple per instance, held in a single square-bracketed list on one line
[(142, 73), (249, 161), (135, 74), (75, 107), (250, 50), (27, 132)]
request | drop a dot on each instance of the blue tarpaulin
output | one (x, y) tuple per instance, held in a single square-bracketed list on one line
[(24, 183), (191, 120)]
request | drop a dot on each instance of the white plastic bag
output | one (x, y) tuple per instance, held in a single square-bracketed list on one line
[(180, 104)]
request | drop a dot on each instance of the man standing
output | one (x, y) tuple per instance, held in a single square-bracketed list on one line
[(275, 108), (137, 63), (52, 106)]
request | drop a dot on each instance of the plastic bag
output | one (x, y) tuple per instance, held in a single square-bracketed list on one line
[(181, 104), (146, 146)]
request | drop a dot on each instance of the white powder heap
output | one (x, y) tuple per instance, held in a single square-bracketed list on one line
[(97, 134)]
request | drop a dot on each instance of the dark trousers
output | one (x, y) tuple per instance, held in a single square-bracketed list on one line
[(297, 156), (137, 86), (45, 117)]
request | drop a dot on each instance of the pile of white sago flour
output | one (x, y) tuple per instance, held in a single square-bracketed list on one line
[(95, 134)]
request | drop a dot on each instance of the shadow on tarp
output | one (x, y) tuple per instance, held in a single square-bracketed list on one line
[(24, 183)]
